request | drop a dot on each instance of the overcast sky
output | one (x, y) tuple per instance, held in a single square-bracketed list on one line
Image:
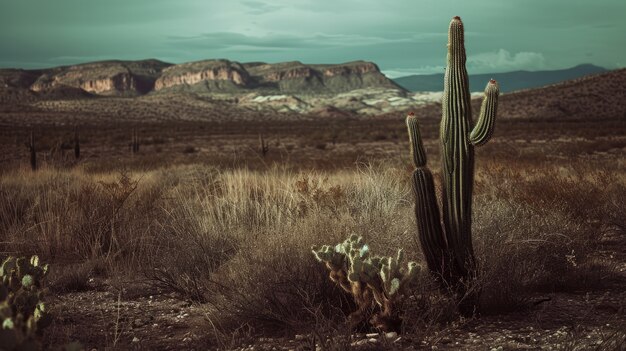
[(402, 36)]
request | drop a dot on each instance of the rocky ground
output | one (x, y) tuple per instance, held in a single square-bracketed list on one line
[(369, 102)]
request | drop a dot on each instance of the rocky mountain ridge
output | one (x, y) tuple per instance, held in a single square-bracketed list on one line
[(133, 78), (509, 81), (221, 91)]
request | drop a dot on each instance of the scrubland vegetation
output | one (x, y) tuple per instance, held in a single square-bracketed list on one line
[(237, 240)]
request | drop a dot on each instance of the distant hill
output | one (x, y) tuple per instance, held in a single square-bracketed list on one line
[(600, 96), (509, 81), (133, 78)]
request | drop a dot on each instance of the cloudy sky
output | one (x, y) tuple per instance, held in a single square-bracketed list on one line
[(402, 36)]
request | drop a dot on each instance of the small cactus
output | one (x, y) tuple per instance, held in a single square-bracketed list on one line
[(22, 312), (372, 280)]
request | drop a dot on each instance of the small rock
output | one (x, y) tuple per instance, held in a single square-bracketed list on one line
[(373, 340), (135, 339), (360, 342), (391, 335), (371, 335)]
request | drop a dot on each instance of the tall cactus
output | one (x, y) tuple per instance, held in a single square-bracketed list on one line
[(264, 146), (76, 145), (448, 250), (134, 145), (32, 150)]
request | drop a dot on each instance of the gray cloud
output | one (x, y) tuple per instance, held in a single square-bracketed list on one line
[(502, 60), (259, 7), (231, 40), (399, 35)]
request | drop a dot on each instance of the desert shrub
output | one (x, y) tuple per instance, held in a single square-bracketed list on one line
[(69, 216), (242, 240), (189, 150), (320, 146), (73, 277), (536, 231)]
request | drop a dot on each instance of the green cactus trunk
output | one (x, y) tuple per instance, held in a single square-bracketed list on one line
[(457, 157), (76, 145), (33, 151), (448, 251)]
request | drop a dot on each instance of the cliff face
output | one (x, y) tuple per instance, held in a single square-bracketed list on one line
[(355, 68), (130, 78), (101, 78), (197, 72), (296, 77), (121, 83), (225, 76)]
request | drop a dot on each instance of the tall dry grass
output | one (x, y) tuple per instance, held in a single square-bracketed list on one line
[(240, 240)]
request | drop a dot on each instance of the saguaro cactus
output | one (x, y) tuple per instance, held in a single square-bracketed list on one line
[(449, 252), (76, 145), (33, 151), (264, 147), (134, 147)]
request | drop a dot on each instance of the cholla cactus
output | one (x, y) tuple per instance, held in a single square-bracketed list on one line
[(22, 312), (372, 280)]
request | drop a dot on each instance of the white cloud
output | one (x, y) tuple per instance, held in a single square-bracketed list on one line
[(486, 62), (503, 61), (403, 72)]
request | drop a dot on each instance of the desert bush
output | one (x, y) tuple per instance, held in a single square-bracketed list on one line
[(540, 229), (68, 216), (251, 233), (189, 150)]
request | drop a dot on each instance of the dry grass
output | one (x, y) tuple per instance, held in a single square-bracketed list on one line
[(239, 240)]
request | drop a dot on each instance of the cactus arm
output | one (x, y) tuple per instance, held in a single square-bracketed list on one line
[(427, 216), (415, 141), (428, 221), (484, 127)]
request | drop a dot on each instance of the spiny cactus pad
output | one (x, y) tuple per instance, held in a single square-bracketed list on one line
[(22, 312)]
